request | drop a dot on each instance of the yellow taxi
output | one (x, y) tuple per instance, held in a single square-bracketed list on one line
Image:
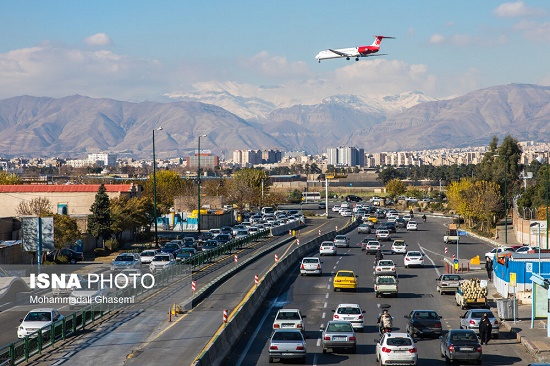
[(372, 219), (345, 279)]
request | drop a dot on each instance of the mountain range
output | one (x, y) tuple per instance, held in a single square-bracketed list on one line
[(76, 125)]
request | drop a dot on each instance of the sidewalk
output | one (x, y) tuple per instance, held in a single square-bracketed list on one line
[(535, 339)]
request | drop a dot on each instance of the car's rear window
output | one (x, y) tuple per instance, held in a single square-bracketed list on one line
[(479, 314), (287, 336), (385, 263), (310, 260), (349, 311), (124, 258), (345, 274), (339, 327), (398, 341), (426, 315), (451, 278), (287, 315)]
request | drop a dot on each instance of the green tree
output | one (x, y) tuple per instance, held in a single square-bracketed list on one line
[(65, 230), (246, 187), (396, 187), (9, 178), (130, 214), (169, 185), (484, 201), (99, 222)]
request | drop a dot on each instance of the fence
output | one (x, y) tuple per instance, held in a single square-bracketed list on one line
[(22, 350)]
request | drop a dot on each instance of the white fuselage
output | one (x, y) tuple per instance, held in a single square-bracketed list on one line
[(327, 54)]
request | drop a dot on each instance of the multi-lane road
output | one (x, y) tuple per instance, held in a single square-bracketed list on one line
[(315, 297)]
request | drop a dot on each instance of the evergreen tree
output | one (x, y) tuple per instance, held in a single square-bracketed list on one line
[(99, 222)]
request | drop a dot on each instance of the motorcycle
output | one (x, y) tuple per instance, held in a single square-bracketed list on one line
[(384, 328), (424, 218)]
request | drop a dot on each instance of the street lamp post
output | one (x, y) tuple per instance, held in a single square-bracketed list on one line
[(532, 283), (546, 154), (155, 190), (505, 200), (199, 185)]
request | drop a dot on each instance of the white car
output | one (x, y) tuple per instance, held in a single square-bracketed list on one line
[(66, 291), (407, 217), (37, 319), (413, 258), (382, 234), (527, 249), (345, 205), (497, 251), (90, 293), (399, 247), (310, 265), (289, 319), (161, 262), (372, 247), (411, 225), (346, 212), (336, 208), (385, 267), (148, 255), (215, 232), (327, 248), (351, 313), (396, 349)]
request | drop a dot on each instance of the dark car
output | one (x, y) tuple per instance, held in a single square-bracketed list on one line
[(423, 323), (390, 226), (71, 255), (171, 248), (226, 230), (400, 222), (322, 205), (209, 245), (461, 345), (353, 198), (223, 238)]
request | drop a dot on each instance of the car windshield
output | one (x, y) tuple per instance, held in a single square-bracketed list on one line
[(287, 336), (426, 315), (345, 274), (288, 315), (398, 341), (349, 311), (125, 258), (161, 258), (479, 314), (38, 316), (339, 327)]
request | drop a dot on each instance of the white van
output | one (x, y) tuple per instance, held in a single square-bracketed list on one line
[(267, 210)]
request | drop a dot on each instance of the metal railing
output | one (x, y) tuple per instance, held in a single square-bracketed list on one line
[(23, 349)]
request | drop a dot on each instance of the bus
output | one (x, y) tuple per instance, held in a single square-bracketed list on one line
[(311, 197)]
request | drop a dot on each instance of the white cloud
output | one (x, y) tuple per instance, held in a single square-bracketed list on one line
[(98, 39), (437, 39), (517, 9), (275, 67), (534, 30)]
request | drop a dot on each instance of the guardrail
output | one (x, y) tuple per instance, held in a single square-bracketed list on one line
[(23, 349)]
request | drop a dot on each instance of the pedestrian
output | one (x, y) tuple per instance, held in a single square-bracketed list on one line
[(489, 268), (485, 329)]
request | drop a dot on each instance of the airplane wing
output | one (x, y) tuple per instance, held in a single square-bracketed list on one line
[(341, 53)]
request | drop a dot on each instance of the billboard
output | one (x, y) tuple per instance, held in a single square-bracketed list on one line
[(35, 227)]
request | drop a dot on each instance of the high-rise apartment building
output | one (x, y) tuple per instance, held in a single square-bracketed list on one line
[(348, 156)]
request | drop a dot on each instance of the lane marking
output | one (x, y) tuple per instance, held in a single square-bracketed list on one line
[(430, 259), (323, 316)]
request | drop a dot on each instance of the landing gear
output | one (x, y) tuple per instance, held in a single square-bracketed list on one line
[(357, 59), (347, 58)]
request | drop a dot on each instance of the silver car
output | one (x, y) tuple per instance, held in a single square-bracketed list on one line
[(338, 334), (287, 344), (471, 319), (341, 241), (126, 261)]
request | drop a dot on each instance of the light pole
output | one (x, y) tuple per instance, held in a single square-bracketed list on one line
[(505, 200), (155, 189), (546, 155), (199, 185)]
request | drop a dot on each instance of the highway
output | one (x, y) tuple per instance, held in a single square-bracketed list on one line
[(315, 297)]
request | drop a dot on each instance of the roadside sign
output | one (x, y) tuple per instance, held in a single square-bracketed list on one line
[(462, 233), (529, 267), (455, 261), (513, 279)]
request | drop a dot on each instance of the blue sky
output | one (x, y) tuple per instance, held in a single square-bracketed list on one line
[(153, 50)]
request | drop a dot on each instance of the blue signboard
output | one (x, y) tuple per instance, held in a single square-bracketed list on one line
[(462, 233)]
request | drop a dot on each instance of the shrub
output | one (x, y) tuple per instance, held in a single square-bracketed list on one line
[(100, 252), (112, 244)]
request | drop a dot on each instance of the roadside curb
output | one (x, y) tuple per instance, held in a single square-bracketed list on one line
[(530, 346)]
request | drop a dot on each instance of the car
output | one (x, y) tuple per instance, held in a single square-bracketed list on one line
[(527, 249), (385, 285), (241, 234), (215, 232), (344, 205), (372, 247), (223, 238), (351, 313), (372, 219), (337, 335), (385, 267), (412, 225), (380, 214), (322, 205), (226, 230), (498, 251), (148, 255), (407, 217), (287, 344), (236, 228), (390, 226), (400, 222), (336, 208), (171, 248), (185, 253), (161, 262), (353, 198), (37, 319), (204, 236), (461, 345), (422, 323), (125, 261), (399, 247), (72, 256), (327, 248), (396, 349), (65, 291), (383, 235), (363, 229), (209, 245), (289, 319), (448, 283), (413, 258), (346, 212), (471, 319), (341, 241), (310, 265), (90, 292), (392, 219), (345, 279)]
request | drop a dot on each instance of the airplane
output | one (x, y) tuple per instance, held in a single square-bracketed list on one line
[(361, 51)]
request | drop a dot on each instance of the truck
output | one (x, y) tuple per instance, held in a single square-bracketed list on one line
[(471, 293), (385, 285), (451, 236)]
